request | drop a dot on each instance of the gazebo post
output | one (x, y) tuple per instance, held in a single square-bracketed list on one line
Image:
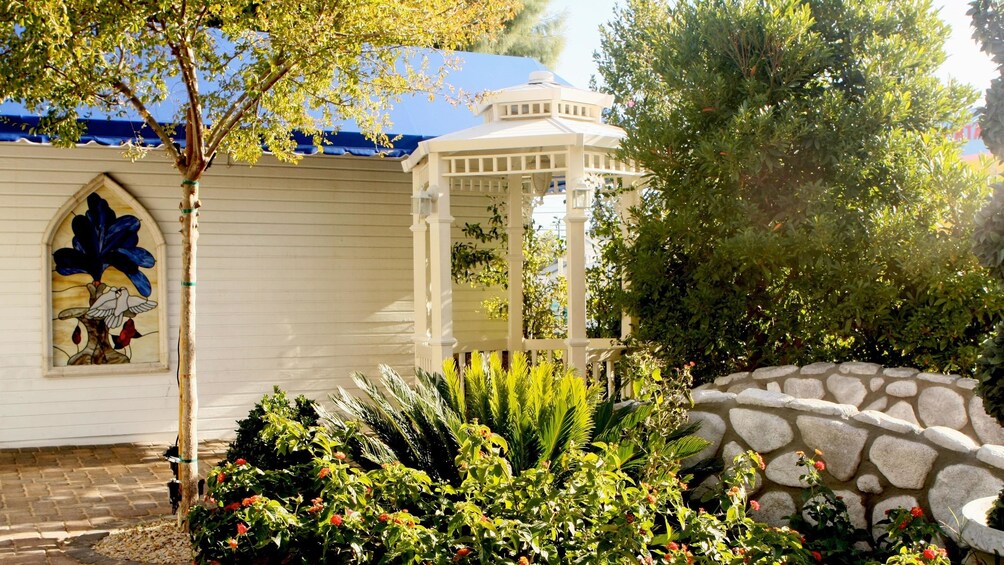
[(575, 225), (441, 341), (514, 231), (419, 236), (625, 201)]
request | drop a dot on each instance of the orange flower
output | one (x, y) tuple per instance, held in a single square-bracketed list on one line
[(461, 553), (383, 517), (233, 506), (324, 472), (241, 529), (336, 519), (339, 456), (221, 477), (917, 512), (232, 543), (523, 560), (930, 553)]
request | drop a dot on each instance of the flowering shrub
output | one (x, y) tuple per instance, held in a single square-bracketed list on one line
[(328, 509)]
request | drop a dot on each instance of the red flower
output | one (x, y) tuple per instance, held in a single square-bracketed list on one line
[(672, 546), (817, 556), (233, 506), (630, 518), (461, 553), (221, 477), (754, 505), (820, 466), (324, 472), (930, 553), (336, 519), (383, 517), (902, 525), (241, 529), (917, 511), (232, 543), (240, 461)]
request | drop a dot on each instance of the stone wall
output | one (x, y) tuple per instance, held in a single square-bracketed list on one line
[(890, 437)]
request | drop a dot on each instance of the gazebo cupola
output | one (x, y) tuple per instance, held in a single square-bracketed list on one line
[(536, 137)]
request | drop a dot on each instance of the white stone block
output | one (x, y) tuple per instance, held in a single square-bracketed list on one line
[(992, 455), (876, 383), (887, 422), (856, 368), (937, 378), (840, 442), (765, 373), (712, 429), (869, 483), (763, 432), (823, 407), (847, 390), (902, 389), (711, 397), (967, 383), (775, 507), (950, 439), (763, 398), (905, 464), (774, 386), (878, 405), (899, 372), (783, 470), (818, 368), (942, 406), (804, 388), (955, 486), (987, 428), (904, 411)]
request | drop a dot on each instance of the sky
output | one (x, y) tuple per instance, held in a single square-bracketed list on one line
[(584, 17)]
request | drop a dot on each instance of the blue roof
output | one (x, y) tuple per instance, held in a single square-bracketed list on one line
[(414, 118)]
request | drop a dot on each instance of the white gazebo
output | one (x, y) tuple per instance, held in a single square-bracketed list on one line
[(535, 137)]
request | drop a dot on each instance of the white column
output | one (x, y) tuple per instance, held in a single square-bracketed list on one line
[(441, 340), (420, 265), (575, 226), (514, 230)]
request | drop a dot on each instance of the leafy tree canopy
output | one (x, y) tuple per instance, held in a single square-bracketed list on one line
[(807, 202), (532, 33), (252, 71)]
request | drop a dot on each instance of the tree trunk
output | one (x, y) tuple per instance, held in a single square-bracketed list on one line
[(188, 406)]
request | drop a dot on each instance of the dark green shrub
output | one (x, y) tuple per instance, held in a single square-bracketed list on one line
[(805, 204), (252, 447)]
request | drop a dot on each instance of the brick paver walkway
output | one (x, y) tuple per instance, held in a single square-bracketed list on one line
[(48, 495)]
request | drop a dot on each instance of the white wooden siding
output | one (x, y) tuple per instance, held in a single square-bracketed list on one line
[(304, 277)]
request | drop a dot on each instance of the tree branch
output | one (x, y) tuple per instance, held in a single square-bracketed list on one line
[(243, 104), (148, 118)]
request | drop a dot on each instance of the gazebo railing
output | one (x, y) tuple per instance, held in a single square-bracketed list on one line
[(602, 355)]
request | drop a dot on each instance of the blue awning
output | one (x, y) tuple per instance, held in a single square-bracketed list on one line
[(414, 118)]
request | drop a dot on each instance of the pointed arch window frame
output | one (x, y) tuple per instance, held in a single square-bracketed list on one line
[(159, 251)]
